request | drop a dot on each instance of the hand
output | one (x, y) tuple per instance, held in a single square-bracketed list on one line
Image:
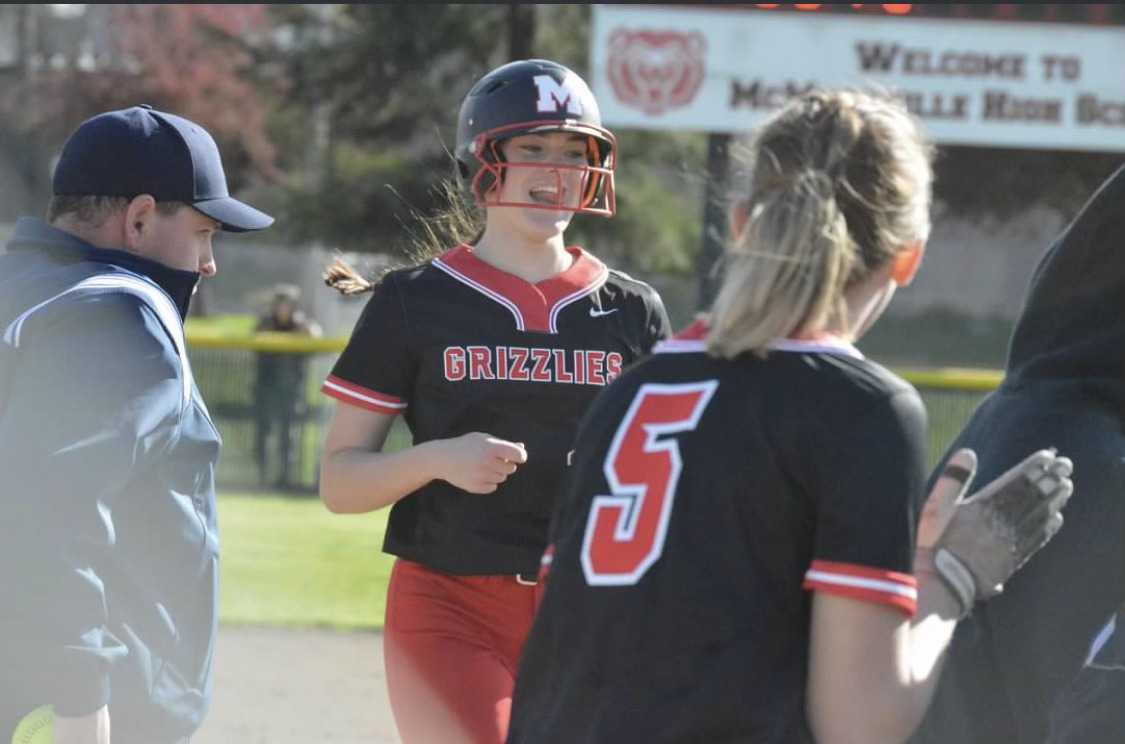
[(981, 541), (478, 463), (947, 493), (88, 729)]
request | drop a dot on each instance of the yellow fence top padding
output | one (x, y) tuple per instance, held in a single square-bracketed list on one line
[(266, 341), (946, 378), (953, 378)]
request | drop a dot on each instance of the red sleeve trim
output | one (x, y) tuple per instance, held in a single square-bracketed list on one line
[(357, 395), (878, 585)]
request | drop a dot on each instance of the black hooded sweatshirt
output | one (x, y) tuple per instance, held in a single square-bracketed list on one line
[(1012, 658)]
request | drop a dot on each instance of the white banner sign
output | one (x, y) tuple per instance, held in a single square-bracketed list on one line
[(990, 83)]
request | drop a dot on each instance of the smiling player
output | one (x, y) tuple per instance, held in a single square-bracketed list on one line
[(491, 352)]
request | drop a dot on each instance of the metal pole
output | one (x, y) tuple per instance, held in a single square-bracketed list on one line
[(521, 30), (714, 216)]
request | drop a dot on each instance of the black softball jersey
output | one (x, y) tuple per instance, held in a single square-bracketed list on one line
[(709, 498), (457, 346)]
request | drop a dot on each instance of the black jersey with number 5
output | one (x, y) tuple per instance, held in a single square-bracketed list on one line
[(458, 346), (707, 500)]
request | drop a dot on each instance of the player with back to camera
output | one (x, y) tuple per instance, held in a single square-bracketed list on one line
[(490, 351), (739, 555)]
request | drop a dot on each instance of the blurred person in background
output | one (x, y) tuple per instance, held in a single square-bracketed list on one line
[(741, 554), (1064, 384), (280, 403), (108, 542), (490, 351)]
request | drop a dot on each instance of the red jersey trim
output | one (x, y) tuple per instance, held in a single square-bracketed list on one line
[(357, 395), (868, 584), (697, 331), (535, 307), (689, 340)]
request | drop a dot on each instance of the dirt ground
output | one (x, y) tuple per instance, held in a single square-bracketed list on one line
[(275, 686)]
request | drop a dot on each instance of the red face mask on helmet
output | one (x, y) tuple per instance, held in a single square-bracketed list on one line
[(528, 97)]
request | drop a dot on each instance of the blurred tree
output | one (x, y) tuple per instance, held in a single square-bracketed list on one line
[(379, 86), (74, 61), (202, 61), (381, 119)]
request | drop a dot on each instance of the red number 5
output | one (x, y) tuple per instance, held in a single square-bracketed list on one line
[(625, 532)]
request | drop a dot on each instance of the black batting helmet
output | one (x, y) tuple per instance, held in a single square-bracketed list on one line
[(533, 96)]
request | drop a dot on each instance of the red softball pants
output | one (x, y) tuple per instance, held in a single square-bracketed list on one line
[(451, 646)]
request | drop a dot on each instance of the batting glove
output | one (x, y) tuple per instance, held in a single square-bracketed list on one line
[(996, 530)]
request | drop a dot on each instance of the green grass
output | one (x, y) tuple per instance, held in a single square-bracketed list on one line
[(290, 562), (221, 325)]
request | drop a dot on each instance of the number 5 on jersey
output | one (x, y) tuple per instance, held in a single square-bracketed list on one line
[(625, 532)]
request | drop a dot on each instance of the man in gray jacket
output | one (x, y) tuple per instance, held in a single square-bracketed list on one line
[(108, 542)]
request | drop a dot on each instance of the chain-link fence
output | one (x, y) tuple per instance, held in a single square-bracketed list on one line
[(951, 396), (271, 429)]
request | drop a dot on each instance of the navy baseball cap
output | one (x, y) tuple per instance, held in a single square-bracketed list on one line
[(142, 151)]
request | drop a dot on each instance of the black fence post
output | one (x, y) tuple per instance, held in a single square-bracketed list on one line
[(714, 216)]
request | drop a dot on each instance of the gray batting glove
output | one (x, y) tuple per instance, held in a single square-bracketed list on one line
[(996, 530)]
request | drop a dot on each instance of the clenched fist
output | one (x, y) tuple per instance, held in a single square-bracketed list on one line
[(478, 462)]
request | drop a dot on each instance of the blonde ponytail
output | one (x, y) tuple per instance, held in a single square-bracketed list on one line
[(796, 278), (840, 183), (342, 276)]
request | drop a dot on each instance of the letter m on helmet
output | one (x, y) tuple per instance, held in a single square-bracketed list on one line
[(554, 96)]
